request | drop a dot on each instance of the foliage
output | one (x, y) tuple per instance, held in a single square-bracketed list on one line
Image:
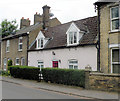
[(9, 63), (4, 73), (24, 72), (8, 27), (64, 76)]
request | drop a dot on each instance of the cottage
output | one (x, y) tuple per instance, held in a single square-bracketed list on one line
[(71, 45)]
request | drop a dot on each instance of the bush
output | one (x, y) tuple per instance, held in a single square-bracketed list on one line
[(64, 76), (24, 72), (9, 63), (5, 73)]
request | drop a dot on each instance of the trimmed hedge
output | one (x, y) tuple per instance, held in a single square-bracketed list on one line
[(25, 72), (64, 76)]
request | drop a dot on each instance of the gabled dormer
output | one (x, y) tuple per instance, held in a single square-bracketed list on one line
[(40, 41), (73, 35)]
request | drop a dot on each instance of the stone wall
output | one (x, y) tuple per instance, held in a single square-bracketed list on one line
[(101, 81)]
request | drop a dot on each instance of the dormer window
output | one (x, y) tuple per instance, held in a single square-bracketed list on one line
[(72, 38), (40, 43)]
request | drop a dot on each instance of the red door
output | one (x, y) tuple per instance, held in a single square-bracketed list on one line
[(55, 64)]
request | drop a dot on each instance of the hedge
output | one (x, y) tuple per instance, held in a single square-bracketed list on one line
[(64, 76), (24, 72)]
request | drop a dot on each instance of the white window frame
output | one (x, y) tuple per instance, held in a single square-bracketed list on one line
[(112, 59), (20, 43), (7, 45), (73, 33), (40, 45), (111, 19), (5, 64), (72, 63), (16, 61), (40, 64), (22, 61)]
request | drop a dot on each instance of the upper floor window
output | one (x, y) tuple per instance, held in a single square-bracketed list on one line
[(73, 64), (20, 44), (72, 38), (115, 18), (7, 45), (40, 43)]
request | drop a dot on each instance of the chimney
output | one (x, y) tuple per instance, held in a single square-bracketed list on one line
[(46, 17), (37, 18), (24, 22)]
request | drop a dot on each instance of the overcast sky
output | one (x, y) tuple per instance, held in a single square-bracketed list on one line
[(64, 10)]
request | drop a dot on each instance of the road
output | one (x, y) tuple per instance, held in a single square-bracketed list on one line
[(15, 91)]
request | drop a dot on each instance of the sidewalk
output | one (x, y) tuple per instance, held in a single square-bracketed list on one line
[(63, 89)]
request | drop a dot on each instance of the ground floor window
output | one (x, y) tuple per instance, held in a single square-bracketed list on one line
[(73, 64), (115, 61), (17, 61), (55, 64), (40, 64), (5, 64), (22, 61)]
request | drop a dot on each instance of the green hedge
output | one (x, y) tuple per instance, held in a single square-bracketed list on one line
[(24, 72), (64, 76)]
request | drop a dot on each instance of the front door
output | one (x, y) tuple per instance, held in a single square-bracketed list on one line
[(55, 64)]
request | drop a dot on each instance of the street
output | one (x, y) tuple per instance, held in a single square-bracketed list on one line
[(15, 91)]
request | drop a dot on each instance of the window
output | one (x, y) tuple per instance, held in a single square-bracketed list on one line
[(22, 61), (17, 61), (55, 64), (5, 64), (73, 64), (115, 61), (115, 18), (72, 38), (20, 44), (40, 43), (40, 64), (7, 45)]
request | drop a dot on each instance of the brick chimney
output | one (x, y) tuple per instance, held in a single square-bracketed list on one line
[(24, 22), (37, 18), (46, 17)]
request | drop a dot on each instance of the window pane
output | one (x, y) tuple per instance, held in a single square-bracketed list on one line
[(20, 46), (116, 68), (20, 40), (70, 66), (70, 38), (115, 24), (115, 55), (41, 42), (75, 67), (73, 62), (75, 37), (115, 12)]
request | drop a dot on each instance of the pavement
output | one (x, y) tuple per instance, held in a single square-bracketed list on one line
[(72, 90)]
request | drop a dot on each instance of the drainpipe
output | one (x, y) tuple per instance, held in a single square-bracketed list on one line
[(98, 66)]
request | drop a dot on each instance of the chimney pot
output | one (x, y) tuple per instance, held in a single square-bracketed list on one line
[(22, 17)]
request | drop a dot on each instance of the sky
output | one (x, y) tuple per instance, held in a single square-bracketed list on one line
[(64, 10)]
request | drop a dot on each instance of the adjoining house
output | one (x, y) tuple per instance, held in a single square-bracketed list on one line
[(109, 35), (71, 45), (15, 46)]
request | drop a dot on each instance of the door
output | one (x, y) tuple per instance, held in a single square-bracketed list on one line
[(55, 64)]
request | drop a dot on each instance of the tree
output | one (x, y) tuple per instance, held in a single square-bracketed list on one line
[(8, 27)]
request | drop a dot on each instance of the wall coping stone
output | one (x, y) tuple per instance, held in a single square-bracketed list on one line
[(103, 74)]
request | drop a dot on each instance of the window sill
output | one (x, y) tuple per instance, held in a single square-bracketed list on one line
[(19, 50), (7, 51), (114, 31), (72, 44)]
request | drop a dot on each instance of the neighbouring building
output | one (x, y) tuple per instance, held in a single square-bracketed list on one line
[(15, 46), (109, 35), (71, 45)]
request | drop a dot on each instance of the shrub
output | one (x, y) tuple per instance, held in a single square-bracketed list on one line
[(9, 63), (64, 76), (4, 73), (24, 72)]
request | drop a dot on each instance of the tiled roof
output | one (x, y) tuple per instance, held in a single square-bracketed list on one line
[(23, 30), (59, 38)]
